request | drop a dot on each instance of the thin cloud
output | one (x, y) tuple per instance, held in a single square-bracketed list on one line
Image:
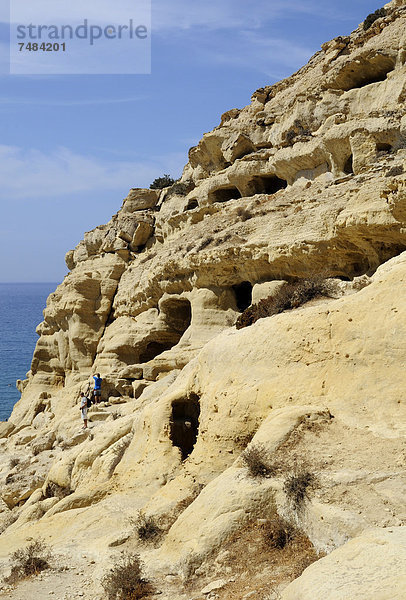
[(30, 174), (234, 14)]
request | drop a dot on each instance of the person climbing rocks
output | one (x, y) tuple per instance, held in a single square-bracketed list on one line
[(84, 400), (97, 388)]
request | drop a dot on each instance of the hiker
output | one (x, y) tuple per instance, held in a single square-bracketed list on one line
[(84, 402), (97, 387)]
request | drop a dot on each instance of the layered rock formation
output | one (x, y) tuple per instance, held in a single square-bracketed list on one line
[(308, 179)]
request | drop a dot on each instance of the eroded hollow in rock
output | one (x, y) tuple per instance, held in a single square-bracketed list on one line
[(383, 148), (184, 424), (177, 313), (225, 194), (153, 349), (243, 295), (348, 168), (269, 184), (192, 204), (364, 71)]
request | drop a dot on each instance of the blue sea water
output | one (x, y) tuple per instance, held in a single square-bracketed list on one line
[(21, 306)]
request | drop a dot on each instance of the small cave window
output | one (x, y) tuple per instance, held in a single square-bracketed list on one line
[(184, 424), (243, 295), (268, 184), (225, 194), (152, 350), (358, 74), (383, 148), (348, 167), (177, 313), (192, 204)]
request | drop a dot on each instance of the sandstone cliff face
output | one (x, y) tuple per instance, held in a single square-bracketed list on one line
[(307, 179)]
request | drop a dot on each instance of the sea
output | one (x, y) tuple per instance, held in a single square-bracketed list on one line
[(21, 306)]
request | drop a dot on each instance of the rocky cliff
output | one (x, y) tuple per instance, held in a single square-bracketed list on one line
[(308, 180)]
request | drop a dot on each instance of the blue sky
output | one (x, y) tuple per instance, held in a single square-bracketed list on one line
[(72, 146)]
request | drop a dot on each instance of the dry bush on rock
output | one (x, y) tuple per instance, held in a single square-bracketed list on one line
[(29, 561), (147, 529), (14, 461), (297, 486), (243, 213), (277, 533), (53, 490), (255, 459), (125, 581), (291, 295)]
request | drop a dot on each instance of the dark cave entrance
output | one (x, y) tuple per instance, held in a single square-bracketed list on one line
[(192, 204), (177, 313), (269, 184), (184, 424), (384, 148), (225, 194), (152, 350), (348, 168), (243, 295)]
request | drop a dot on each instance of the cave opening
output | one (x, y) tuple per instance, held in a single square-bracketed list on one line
[(225, 194), (269, 184), (152, 350), (192, 204), (184, 424), (383, 148), (177, 315), (348, 166), (243, 295), (364, 71)]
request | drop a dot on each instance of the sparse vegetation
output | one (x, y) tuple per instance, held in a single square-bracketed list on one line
[(8, 521), (277, 533), (298, 130), (162, 182), (14, 461), (53, 490), (255, 459), (372, 17), (29, 561), (205, 243), (297, 486), (181, 188), (125, 581), (146, 528), (395, 171), (243, 213), (289, 296)]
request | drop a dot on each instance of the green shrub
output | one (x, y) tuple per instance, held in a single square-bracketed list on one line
[(372, 17), (29, 561), (162, 182), (290, 295), (125, 581), (181, 188)]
